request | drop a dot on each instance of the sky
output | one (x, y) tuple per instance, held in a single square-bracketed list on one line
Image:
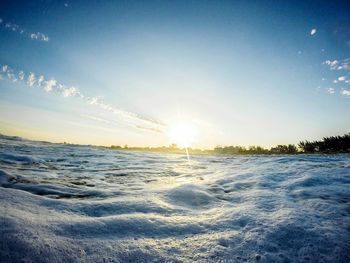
[(123, 72)]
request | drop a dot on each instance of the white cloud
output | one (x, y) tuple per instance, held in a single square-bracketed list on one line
[(345, 92), (339, 65), (313, 31), (94, 118), (39, 36), (9, 73), (31, 79), (69, 92), (330, 90), (93, 100), (16, 28), (130, 118), (21, 75), (332, 64), (49, 85), (40, 80), (106, 107), (11, 76), (346, 66)]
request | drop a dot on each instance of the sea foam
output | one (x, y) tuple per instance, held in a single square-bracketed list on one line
[(62, 203)]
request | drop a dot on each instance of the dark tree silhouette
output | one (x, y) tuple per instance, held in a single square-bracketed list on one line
[(333, 144)]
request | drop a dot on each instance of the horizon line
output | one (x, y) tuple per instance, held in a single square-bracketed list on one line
[(175, 146)]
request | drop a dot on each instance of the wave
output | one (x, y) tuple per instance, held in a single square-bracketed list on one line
[(61, 203)]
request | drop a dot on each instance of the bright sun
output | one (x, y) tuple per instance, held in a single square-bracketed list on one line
[(182, 134)]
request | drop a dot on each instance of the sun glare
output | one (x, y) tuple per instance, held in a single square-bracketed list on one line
[(182, 134)]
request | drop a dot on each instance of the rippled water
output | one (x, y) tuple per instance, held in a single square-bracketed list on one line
[(60, 203)]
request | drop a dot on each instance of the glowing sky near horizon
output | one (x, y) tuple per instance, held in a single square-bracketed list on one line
[(121, 72)]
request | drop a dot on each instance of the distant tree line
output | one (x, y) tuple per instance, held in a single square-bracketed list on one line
[(333, 144), (279, 149)]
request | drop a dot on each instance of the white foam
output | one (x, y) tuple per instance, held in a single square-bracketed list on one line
[(83, 204)]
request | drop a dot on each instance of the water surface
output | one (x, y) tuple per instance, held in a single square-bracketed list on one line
[(62, 203)]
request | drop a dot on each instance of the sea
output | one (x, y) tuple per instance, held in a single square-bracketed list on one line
[(70, 203)]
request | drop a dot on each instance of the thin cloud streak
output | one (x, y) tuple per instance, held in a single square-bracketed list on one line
[(52, 85), (94, 118), (17, 29)]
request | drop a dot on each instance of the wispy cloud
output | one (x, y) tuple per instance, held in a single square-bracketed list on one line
[(343, 64), (52, 85), (94, 118), (333, 64), (343, 67), (330, 90), (39, 36), (30, 80), (13, 27), (16, 28)]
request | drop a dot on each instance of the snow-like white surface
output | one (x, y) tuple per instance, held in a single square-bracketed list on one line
[(82, 204)]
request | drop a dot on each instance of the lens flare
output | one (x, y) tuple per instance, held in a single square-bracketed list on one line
[(182, 134)]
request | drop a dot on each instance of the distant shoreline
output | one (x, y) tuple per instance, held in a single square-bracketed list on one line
[(328, 145), (213, 153)]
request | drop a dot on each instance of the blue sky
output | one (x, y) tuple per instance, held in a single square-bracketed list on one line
[(121, 72)]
